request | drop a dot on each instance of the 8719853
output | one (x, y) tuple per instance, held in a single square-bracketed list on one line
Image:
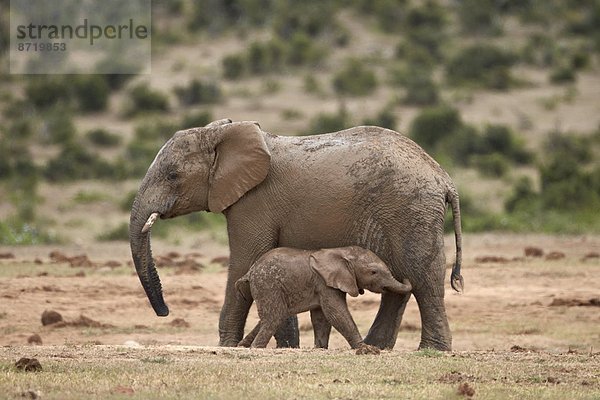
[(34, 46)]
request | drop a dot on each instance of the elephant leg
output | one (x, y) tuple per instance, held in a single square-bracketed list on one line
[(268, 327), (288, 333), (384, 331), (233, 315), (435, 331), (336, 311), (247, 341), (321, 328)]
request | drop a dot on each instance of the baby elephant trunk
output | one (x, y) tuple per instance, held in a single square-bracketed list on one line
[(397, 287)]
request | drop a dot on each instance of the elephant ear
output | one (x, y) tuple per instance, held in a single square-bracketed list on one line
[(242, 161), (335, 270)]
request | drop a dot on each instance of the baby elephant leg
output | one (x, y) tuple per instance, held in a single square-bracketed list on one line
[(321, 328), (335, 309), (268, 325), (247, 341)]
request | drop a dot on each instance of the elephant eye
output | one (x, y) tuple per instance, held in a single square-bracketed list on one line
[(172, 176), (373, 272)]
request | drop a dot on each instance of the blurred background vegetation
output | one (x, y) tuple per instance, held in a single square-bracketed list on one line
[(505, 94)]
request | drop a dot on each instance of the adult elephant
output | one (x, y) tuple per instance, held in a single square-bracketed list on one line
[(364, 186)]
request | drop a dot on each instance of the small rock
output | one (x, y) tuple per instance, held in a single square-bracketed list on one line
[(533, 252), (34, 339), (50, 317), (173, 254), (491, 259), (6, 256), (180, 323), (464, 389), (112, 264), (31, 394), (38, 261), (28, 365), (555, 255), (223, 260), (132, 344), (368, 349), (590, 256), (58, 257)]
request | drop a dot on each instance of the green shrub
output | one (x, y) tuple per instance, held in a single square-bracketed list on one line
[(44, 92), (522, 197), (563, 74), (91, 92), (501, 139), (103, 138), (425, 27), (312, 84), (144, 99), (479, 64), (303, 50), (19, 233), (59, 127), (355, 79), (421, 90), (479, 17), (234, 66), (198, 92), (75, 162), (310, 17), (385, 119), (433, 124), (196, 119), (118, 233), (494, 165), (330, 122)]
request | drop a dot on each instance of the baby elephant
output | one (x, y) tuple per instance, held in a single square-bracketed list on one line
[(286, 281)]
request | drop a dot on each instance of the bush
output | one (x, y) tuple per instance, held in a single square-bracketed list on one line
[(479, 64), (120, 232), (92, 92), (325, 122), (425, 28), (59, 127), (234, 66), (385, 119), (420, 88), (355, 79), (434, 124), (198, 92), (103, 138), (302, 50), (479, 16), (493, 165), (44, 92), (523, 196), (196, 119), (501, 139), (563, 74), (75, 162), (145, 99)]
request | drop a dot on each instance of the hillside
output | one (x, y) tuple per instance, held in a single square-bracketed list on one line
[(505, 95)]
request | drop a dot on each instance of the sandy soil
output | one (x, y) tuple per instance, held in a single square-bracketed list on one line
[(510, 299)]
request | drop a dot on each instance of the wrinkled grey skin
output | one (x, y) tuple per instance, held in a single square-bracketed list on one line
[(364, 186), (285, 282)]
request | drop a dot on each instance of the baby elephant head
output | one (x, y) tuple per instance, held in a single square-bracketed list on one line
[(353, 269)]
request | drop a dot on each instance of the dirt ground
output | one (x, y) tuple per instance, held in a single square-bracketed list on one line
[(549, 302)]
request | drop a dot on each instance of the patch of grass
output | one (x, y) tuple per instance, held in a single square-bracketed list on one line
[(89, 197), (111, 371), (22, 233)]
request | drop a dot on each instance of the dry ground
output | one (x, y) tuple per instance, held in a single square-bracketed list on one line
[(526, 327)]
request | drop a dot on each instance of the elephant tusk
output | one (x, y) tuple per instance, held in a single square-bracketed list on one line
[(150, 222)]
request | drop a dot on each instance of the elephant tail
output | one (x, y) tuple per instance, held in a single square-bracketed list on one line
[(243, 287), (456, 279)]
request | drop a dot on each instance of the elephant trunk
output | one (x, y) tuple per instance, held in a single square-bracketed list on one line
[(141, 251), (403, 287)]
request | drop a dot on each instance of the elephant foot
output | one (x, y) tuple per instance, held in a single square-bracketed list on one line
[(367, 349), (439, 345), (229, 343)]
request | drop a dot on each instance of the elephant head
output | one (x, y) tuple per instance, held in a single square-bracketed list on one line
[(353, 269), (198, 169)]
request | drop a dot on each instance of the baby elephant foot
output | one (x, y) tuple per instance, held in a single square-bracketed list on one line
[(367, 349)]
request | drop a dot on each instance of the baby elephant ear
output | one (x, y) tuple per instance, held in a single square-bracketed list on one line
[(335, 270)]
